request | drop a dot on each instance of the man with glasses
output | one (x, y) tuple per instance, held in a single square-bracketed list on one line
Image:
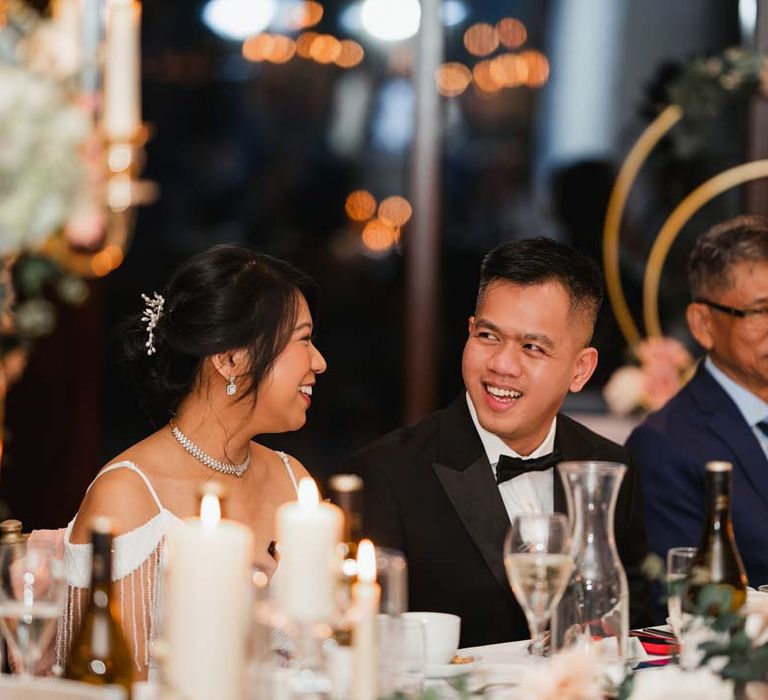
[(722, 413)]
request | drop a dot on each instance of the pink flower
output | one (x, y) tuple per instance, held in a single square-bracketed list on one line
[(660, 384), (664, 366)]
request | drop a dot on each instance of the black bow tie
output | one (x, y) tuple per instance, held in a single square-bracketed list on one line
[(763, 425), (510, 467)]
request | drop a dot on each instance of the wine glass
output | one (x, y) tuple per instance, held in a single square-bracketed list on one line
[(538, 562), (679, 561), (32, 590)]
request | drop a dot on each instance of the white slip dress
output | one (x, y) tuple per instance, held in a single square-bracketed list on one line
[(138, 560)]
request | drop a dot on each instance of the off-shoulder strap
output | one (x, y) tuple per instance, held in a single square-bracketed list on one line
[(126, 464), (287, 462)]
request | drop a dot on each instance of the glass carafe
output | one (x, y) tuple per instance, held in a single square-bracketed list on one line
[(594, 610)]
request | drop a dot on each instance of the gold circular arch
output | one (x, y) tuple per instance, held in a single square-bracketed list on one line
[(655, 131), (705, 192)]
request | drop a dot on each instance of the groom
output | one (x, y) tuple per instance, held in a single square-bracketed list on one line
[(444, 490)]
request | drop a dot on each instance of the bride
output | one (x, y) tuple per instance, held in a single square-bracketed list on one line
[(225, 353)]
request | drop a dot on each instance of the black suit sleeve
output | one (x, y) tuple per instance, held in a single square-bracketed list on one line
[(381, 517)]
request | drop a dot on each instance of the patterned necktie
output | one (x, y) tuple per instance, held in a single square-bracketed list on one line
[(510, 467), (763, 426)]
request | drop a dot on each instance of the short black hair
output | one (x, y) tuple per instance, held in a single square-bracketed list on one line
[(225, 298), (737, 240), (533, 261)]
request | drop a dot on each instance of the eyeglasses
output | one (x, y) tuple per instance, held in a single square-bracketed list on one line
[(754, 318)]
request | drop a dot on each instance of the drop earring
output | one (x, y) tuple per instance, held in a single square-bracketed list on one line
[(231, 387)]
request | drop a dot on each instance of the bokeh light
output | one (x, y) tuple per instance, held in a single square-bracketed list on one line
[(481, 39), (238, 19), (454, 12), (538, 68), (360, 205), (259, 47), (378, 236), (395, 211), (325, 49), (452, 79), (512, 32), (351, 54), (306, 14), (283, 49), (304, 43), (484, 79), (509, 70), (391, 20)]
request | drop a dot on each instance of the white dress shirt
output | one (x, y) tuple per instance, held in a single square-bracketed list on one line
[(527, 493), (752, 407)]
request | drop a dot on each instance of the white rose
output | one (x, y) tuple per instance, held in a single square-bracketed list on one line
[(624, 390)]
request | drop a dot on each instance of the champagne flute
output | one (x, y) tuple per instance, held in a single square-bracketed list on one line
[(32, 590), (679, 562), (538, 563)]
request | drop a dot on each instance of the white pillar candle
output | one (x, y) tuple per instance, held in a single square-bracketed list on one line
[(206, 599), (366, 594), (309, 533), (122, 72)]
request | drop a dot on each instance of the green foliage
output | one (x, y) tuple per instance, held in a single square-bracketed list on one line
[(37, 283), (626, 688), (710, 90)]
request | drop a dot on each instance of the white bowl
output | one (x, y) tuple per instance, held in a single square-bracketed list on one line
[(441, 635)]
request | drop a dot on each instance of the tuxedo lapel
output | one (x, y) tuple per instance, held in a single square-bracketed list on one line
[(727, 423), (463, 469), (573, 447)]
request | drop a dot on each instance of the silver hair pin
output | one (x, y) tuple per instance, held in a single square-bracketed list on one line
[(151, 316)]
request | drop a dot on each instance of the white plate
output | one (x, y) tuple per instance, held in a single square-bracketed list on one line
[(449, 670)]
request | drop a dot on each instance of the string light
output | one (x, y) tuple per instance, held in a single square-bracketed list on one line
[(484, 78), (512, 32), (378, 236), (351, 54), (395, 211), (481, 39), (360, 205), (452, 79)]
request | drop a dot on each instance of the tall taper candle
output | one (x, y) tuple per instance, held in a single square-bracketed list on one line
[(206, 599), (308, 533), (92, 31), (122, 72), (366, 594)]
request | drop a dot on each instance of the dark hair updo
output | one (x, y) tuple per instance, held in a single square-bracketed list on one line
[(226, 298)]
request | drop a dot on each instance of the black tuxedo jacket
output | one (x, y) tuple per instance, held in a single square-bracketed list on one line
[(430, 492)]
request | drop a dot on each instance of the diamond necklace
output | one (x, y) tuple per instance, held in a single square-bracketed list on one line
[(224, 467)]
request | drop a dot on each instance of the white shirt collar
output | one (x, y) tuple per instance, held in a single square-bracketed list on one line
[(752, 407), (494, 446)]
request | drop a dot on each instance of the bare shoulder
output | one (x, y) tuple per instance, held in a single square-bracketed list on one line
[(120, 494), (299, 470), (273, 458)]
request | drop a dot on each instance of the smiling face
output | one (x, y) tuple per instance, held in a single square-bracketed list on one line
[(285, 393), (524, 353), (738, 346)]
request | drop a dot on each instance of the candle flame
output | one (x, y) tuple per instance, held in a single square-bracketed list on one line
[(210, 510), (308, 495), (366, 562)]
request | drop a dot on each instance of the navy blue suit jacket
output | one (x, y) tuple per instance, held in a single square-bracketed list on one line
[(700, 424)]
